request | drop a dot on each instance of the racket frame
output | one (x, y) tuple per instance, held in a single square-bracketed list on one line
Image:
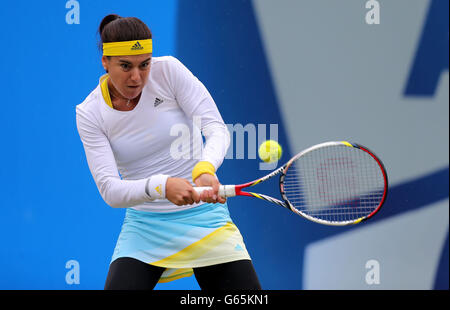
[(325, 222), (237, 190)]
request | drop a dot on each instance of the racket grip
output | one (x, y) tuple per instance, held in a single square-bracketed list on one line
[(224, 190)]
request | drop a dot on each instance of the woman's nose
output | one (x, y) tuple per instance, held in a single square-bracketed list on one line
[(135, 76)]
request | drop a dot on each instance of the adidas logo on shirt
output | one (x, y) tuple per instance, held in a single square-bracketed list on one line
[(137, 46), (158, 102)]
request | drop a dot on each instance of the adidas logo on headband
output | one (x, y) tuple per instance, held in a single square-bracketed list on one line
[(137, 46), (134, 47)]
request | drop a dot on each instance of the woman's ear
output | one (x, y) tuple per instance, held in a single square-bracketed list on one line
[(105, 63)]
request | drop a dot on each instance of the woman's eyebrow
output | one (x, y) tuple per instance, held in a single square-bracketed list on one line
[(130, 63)]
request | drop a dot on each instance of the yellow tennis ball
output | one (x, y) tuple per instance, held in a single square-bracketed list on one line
[(270, 151)]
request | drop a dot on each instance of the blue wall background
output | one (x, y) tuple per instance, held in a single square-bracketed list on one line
[(51, 210)]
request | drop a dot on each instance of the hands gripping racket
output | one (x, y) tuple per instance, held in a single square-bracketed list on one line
[(332, 183)]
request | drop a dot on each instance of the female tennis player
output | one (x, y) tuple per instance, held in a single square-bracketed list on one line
[(131, 126)]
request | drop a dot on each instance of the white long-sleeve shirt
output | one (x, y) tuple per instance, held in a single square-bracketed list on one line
[(159, 138)]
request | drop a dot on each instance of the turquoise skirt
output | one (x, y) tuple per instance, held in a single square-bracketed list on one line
[(179, 241)]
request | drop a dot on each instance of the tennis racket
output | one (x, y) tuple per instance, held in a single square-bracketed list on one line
[(332, 183)]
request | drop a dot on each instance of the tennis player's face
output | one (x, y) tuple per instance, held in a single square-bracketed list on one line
[(128, 74)]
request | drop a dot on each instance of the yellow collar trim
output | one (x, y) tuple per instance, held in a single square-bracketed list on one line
[(105, 90)]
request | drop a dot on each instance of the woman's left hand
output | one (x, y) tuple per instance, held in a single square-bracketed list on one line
[(211, 196)]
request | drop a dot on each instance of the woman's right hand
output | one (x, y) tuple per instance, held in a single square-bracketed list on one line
[(180, 192)]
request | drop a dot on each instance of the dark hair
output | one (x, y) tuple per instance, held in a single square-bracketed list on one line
[(114, 28)]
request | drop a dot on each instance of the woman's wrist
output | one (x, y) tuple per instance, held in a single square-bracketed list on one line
[(202, 167), (156, 186)]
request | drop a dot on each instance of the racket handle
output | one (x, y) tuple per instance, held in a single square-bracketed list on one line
[(224, 190)]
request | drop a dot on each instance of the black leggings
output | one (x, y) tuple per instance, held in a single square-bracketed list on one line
[(127, 273)]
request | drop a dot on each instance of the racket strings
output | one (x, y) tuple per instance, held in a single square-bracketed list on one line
[(337, 183)]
